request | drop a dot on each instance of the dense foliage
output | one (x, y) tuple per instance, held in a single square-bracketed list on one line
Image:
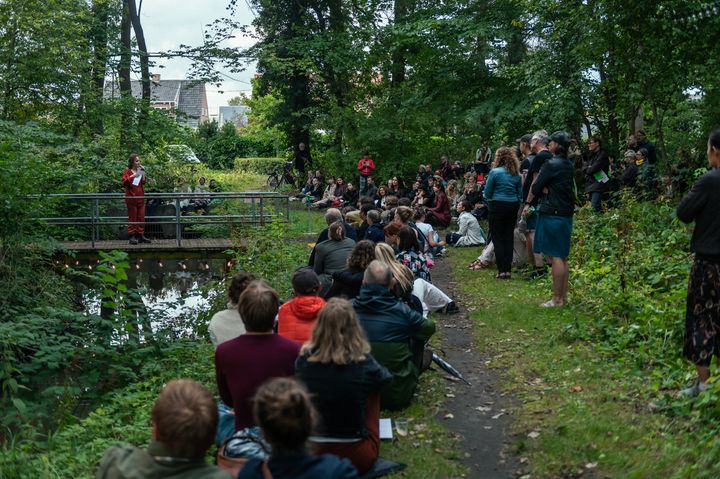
[(411, 79)]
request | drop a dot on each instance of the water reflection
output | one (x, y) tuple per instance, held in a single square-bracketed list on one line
[(174, 291)]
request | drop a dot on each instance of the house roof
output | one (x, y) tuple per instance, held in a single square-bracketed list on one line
[(188, 96)]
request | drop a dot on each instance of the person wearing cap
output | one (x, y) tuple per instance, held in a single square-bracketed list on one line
[(297, 317), (555, 188)]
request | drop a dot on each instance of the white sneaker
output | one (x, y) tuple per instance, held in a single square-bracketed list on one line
[(695, 389)]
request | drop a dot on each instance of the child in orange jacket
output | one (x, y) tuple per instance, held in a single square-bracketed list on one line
[(297, 317)]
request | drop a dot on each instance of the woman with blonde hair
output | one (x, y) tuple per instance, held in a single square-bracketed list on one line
[(419, 294), (344, 381), (503, 192)]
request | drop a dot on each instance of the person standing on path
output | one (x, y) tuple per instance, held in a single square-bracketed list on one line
[(541, 154), (302, 157), (365, 166), (702, 313), (133, 179), (555, 214), (503, 192)]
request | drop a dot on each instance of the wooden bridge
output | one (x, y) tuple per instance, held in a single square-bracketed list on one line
[(171, 219)]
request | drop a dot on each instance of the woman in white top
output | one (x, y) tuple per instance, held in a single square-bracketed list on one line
[(469, 232)]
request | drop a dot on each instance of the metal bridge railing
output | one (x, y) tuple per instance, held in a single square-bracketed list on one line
[(260, 207)]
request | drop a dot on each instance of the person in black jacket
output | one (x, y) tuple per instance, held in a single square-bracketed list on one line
[(702, 313), (597, 173), (554, 186), (344, 381), (643, 142)]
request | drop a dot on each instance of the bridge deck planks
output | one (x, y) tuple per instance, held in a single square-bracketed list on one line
[(195, 244)]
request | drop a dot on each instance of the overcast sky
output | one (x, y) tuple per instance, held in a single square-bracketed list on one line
[(168, 23)]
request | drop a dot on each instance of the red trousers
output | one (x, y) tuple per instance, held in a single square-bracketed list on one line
[(363, 454), (136, 213)]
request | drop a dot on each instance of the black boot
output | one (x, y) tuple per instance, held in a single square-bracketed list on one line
[(451, 308), (144, 239), (133, 239)]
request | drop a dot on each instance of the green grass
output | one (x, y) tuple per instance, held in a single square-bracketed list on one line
[(590, 410)]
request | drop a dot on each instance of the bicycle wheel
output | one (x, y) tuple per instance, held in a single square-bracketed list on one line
[(273, 181)]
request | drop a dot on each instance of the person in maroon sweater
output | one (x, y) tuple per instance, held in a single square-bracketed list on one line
[(133, 179), (439, 215), (246, 362)]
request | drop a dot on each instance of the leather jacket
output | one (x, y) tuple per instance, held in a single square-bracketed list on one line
[(557, 176), (599, 161)]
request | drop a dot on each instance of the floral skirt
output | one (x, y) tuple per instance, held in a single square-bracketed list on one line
[(702, 313)]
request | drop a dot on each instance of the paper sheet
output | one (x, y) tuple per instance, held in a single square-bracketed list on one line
[(138, 178), (386, 431)]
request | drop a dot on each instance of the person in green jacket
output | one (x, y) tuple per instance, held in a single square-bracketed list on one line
[(184, 419), (396, 333)]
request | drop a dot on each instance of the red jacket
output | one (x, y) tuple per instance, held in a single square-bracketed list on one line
[(130, 189), (366, 167), (296, 318)]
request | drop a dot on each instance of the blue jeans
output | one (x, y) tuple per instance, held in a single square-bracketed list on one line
[(226, 423)]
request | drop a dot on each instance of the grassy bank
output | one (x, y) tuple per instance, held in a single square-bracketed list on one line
[(583, 404)]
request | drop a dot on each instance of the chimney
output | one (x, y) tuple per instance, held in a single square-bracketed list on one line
[(155, 77)]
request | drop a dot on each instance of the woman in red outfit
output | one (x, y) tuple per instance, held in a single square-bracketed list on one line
[(439, 215), (133, 180)]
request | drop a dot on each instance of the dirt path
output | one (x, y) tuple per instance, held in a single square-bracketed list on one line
[(479, 413)]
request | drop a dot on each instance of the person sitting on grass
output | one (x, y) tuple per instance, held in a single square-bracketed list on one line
[(328, 195), (397, 334), (331, 255), (417, 293), (469, 232), (410, 255), (244, 363), (346, 283), (297, 317), (286, 416), (375, 232), (344, 381), (439, 214), (227, 324), (435, 245), (314, 193), (184, 419)]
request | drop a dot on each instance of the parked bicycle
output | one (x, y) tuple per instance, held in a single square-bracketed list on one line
[(279, 177)]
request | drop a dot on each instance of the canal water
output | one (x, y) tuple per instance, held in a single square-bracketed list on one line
[(177, 292)]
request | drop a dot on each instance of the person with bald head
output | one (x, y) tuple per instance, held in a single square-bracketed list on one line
[(397, 334)]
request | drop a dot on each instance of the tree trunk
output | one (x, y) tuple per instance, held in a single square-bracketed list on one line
[(124, 76), (144, 65), (397, 71), (8, 90), (98, 41), (659, 133)]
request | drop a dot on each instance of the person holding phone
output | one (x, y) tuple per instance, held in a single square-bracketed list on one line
[(133, 180)]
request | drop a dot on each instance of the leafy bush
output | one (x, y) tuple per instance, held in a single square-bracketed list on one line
[(263, 166), (630, 268)]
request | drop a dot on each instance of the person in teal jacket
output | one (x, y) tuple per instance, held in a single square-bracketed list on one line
[(396, 334)]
